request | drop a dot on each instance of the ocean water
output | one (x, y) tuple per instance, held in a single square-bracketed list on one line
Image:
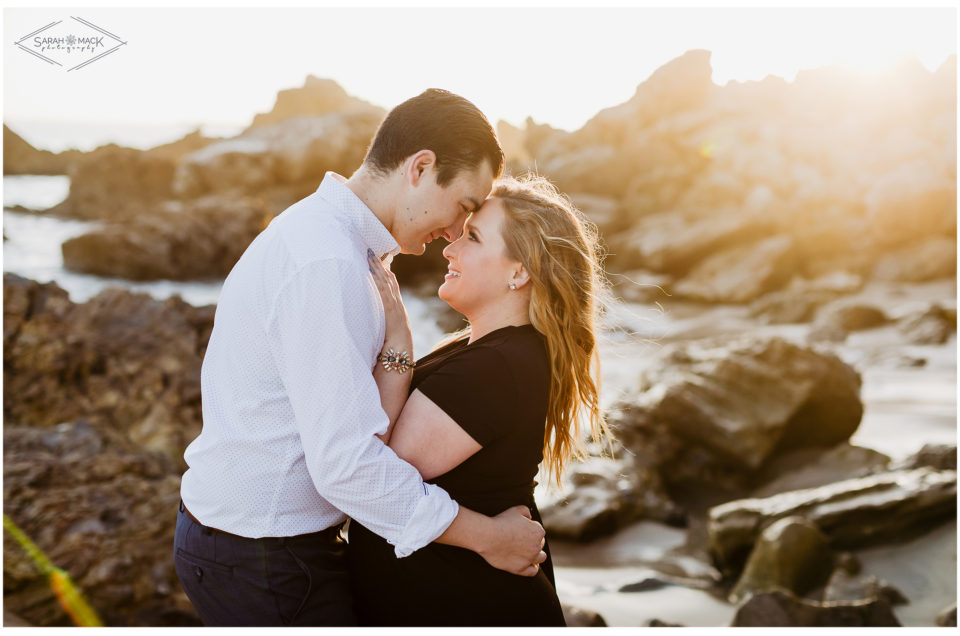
[(85, 136)]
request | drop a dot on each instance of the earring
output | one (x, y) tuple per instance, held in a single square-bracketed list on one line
[(512, 286)]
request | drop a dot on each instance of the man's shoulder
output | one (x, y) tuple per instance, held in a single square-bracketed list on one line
[(311, 231)]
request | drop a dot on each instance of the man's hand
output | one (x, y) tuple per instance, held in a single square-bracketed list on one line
[(518, 547), (511, 541)]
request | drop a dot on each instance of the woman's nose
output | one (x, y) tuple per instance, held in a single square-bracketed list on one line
[(449, 249)]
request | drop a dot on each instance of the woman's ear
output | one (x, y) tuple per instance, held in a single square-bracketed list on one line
[(419, 164), (520, 277)]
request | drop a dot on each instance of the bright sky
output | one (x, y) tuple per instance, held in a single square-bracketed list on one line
[(558, 65)]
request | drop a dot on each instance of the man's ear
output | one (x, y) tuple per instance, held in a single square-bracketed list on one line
[(419, 164)]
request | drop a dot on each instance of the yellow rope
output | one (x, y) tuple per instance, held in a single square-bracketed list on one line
[(67, 592)]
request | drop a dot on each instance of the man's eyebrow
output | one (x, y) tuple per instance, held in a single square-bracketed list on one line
[(474, 203)]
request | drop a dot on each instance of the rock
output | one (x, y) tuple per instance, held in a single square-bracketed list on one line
[(578, 617), (605, 155), (646, 585), (934, 325), (179, 241), (883, 507), (103, 510), (12, 620), (703, 418), (791, 553), (597, 168), (295, 151), (176, 149), (121, 359), (316, 97), (846, 587), (780, 608), (542, 141), (602, 495), (850, 316), (512, 140), (814, 467), (745, 398), (922, 260), (938, 456), (19, 157), (656, 622), (114, 183), (912, 202), (682, 84), (946, 618), (848, 562), (790, 307), (603, 211), (671, 242), (740, 274)]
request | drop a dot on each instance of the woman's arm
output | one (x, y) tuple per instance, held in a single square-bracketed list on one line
[(428, 438), (393, 386)]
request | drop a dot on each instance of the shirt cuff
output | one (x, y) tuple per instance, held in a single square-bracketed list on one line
[(431, 518)]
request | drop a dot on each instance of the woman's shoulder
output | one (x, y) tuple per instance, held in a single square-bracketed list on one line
[(523, 338)]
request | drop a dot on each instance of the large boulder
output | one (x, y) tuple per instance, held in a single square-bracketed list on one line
[(931, 326), (780, 608), (846, 586), (813, 467), (102, 509), (114, 183), (317, 96), (741, 274), (746, 398), (602, 495), (922, 260), (791, 553), (295, 151), (703, 420), (912, 202), (19, 157), (176, 241), (675, 242), (122, 359), (887, 506)]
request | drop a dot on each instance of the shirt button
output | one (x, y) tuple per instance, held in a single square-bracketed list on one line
[(199, 573)]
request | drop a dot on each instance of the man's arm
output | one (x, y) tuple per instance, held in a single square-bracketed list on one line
[(322, 328), (434, 443)]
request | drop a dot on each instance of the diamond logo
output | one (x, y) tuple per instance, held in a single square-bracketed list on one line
[(70, 44)]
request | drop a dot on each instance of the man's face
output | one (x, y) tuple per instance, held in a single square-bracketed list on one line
[(432, 211)]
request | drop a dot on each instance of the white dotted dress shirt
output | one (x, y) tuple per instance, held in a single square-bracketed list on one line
[(290, 406)]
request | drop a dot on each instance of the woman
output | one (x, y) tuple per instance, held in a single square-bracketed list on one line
[(479, 413)]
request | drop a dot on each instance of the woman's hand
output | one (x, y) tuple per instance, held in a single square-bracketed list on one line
[(398, 333), (392, 385)]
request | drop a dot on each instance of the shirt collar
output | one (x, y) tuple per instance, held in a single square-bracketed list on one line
[(334, 190)]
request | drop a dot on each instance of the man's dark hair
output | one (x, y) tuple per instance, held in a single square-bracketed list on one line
[(449, 125)]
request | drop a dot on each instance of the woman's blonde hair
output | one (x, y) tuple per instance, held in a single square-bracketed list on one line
[(558, 247)]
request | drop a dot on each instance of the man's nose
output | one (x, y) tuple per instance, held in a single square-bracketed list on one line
[(452, 232)]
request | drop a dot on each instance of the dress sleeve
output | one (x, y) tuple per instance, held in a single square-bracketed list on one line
[(477, 390)]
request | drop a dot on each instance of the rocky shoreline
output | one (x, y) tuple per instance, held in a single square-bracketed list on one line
[(760, 217)]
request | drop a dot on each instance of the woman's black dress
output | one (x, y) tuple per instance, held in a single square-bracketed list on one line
[(497, 390)]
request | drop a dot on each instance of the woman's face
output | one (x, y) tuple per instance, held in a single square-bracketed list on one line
[(479, 271)]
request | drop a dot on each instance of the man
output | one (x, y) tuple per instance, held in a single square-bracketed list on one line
[(291, 412)]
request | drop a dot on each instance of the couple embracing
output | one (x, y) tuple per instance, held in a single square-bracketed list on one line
[(315, 410)]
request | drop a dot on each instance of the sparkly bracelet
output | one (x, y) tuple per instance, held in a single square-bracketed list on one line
[(394, 361)]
